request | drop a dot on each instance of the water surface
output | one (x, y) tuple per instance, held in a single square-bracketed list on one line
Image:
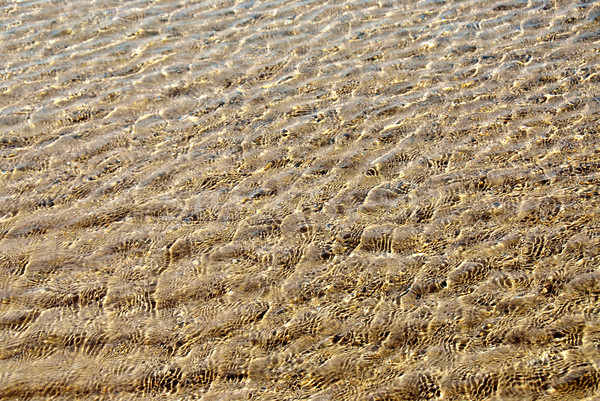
[(386, 200)]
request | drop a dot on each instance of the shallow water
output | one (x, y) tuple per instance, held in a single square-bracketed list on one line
[(300, 200)]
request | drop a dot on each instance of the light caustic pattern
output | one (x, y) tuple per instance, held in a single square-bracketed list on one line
[(385, 200)]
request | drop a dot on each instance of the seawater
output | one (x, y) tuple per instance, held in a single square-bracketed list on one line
[(300, 200)]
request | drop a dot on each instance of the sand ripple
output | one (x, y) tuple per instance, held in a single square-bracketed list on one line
[(300, 200)]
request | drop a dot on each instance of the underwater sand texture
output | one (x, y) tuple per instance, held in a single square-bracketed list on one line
[(300, 200)]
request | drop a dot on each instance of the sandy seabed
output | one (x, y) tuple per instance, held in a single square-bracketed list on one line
[(300, 200)]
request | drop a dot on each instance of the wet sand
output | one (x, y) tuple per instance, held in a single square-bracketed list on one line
[(304, 200)]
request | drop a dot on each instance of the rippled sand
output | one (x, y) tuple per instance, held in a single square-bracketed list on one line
[(296, 200)]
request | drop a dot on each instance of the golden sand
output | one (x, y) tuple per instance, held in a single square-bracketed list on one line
[(303, 200)]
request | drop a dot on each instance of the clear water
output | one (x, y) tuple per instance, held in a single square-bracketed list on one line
[(299, 200)]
